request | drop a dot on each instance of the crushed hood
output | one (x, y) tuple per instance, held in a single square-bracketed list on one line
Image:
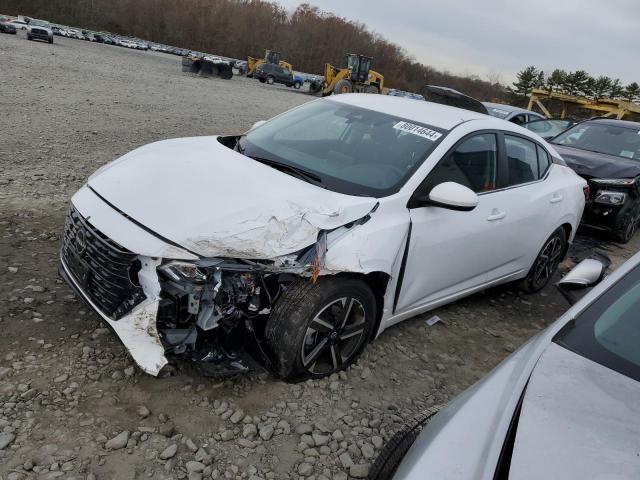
[(218, 203), (598, 165)]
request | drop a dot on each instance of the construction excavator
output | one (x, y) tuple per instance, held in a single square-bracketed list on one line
[(270, 56), (356, 77)]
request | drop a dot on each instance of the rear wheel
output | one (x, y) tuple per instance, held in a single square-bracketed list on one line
[(371, 89), (397, 447), (626, 223), (297, 85), (546, 262), (319, 328), (270, 80), (261, 80), (343, 86)]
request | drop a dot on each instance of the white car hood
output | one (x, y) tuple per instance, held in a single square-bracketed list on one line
[(216, 202)]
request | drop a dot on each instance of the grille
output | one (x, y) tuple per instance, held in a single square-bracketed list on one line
[(105, 271), (39, 31)]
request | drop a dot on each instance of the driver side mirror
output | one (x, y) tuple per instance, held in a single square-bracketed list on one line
[(449, 195), (583, 277), (257, 124)]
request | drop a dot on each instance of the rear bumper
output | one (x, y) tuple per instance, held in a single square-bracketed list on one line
[(599, 216)]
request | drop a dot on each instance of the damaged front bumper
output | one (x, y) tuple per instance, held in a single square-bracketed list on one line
[(209, 311)]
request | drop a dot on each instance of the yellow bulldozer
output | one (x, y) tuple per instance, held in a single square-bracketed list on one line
[(270, 56), (356, 77)]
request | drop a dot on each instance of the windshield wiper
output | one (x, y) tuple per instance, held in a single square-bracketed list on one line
[(284, 167)]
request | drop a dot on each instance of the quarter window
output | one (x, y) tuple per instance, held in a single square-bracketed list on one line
[(473, 164), (543, 161), (522, 160)]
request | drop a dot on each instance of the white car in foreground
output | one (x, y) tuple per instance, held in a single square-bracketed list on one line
[(309, 235)]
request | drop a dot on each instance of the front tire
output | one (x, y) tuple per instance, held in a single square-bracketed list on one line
[(546, 262), (297, 85), (626, 223), (343, 86), (397, 447), (320, 328), (270, 80)]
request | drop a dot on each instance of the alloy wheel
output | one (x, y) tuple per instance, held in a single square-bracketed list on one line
[(333, 336), (547, 261)]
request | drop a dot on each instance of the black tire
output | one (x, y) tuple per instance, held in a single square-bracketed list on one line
[(28, 37), (51, 40), (297, 85), (626, 223), (306, 334), (546, 263), (397, 447), (371, 89), (343, 86), (261, 80), (270, 80)]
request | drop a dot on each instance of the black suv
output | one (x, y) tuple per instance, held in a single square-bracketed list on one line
[(272, 73), (606, 153)]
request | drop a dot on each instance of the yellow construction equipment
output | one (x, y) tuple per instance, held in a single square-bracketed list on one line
[(606, 107), (356, 77), (270, 56)]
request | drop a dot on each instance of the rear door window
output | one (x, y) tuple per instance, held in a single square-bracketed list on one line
[(543, 161), (522, 160)]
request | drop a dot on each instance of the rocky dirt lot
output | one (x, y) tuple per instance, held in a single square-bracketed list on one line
[(73, 405)]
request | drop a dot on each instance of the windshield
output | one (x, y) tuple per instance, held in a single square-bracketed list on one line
[(38, 23), (608, 331), (350, 149), (548, 128), (603, 138)]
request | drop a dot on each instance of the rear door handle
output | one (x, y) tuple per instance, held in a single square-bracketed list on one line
[(556, 198), (496, 215)]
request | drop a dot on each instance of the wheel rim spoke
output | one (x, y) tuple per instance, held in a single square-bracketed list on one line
[(321, 325), (336, 356), (315, 353), (351, 331), (344, 315)]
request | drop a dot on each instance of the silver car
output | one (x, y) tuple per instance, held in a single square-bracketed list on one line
[(517, 115), (566, 405)]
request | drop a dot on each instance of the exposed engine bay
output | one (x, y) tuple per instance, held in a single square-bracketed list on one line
[(214, 311)]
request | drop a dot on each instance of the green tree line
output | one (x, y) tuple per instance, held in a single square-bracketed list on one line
[(307, 38), (578, 83)]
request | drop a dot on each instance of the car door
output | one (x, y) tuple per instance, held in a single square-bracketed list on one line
[(532, 199), (452, 252)]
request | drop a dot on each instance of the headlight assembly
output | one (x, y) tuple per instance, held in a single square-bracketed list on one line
[(610, 198), (614, 181), (183, 271)]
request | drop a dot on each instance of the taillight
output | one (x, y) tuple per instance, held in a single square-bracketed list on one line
[(586, 192)]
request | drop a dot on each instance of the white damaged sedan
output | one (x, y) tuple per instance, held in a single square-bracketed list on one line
[(293, 245)]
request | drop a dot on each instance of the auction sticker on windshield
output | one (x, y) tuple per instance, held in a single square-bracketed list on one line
[(418, 130)]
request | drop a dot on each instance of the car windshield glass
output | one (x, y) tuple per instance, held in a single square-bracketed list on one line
[(548, 128), (352, 150), (38, 23), (608, 331), (603, 138)]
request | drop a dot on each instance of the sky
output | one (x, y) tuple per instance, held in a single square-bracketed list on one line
[(498, 38)]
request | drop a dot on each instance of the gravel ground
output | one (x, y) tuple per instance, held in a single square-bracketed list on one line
[(72, 404)]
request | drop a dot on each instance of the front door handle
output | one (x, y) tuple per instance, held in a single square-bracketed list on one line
[(496, 215), (556, 198)]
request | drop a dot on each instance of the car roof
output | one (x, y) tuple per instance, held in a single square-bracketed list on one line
[(616, 123), (435, 114), (505, 107)]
